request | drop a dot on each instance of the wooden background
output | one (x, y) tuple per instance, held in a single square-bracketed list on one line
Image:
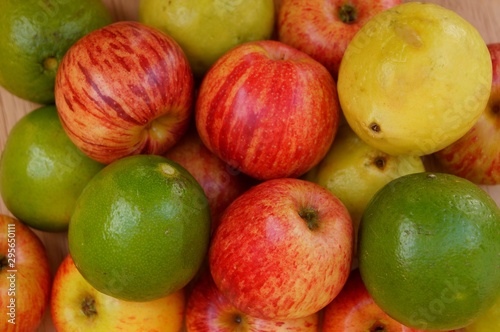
[(483, 14)]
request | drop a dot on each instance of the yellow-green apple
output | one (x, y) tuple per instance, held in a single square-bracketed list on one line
[(282, 250), (353, 171), (476, 155), (221, 183), (354, 310), (206, 29), (268, 110), (25, 277), (323, 29), (124, 89), (487, 322), (209, 310), (77, 306)]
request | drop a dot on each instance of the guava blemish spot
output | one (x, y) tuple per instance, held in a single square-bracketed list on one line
[(50, 64), (374, 127), (431, 176), (409, 35), (167, 169)]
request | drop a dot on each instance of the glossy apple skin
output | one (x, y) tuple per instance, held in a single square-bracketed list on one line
[(221, 183), (70, 291), (270, 262), (354, 310), (268, 110), (30, 272), (476, 155), (209, 310), (316, 28), (124, 89)]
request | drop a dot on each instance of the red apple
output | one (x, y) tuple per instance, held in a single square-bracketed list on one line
[(476, 155), (124, 89), (268, 110), (354, 310), (323, 29), (221, 183), (77, 306), (209, 310), (282, 249), (25, 278)]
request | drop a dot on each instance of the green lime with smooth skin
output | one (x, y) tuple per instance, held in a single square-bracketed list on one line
[(429, 250), (141, 227), (42, 172), (35, 35)]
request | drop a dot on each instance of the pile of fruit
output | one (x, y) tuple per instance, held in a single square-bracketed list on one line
[(274, 172)]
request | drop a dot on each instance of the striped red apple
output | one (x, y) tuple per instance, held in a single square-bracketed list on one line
[(282, 249), (25, 277), (208, 310), (323, 29), (268, 110), (220, 182), (124, 89)]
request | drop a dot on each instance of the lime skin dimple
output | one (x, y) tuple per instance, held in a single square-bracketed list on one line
[(141, 228)]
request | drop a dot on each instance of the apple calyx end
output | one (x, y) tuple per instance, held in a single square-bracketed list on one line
[(347, 13), (310, 216), (88, 307)]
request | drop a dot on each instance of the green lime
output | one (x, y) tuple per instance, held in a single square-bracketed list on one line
[(141, 228), (35, 35), (42, 172), (429, 248)]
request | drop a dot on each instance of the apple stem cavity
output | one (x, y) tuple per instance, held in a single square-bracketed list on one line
[(3, 262), (377, 326), (310, 216), (238, 319), (88, 307), (348, 13)]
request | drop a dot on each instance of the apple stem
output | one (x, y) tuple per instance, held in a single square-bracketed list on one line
[(348, 13), (310, 216), (88, 307)]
